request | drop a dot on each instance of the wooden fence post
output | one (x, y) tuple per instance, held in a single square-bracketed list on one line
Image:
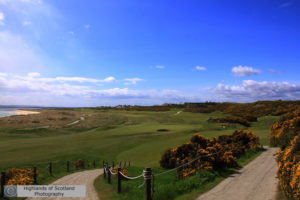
[(2, 183), (104, 171), (147, 177), (119, 179), (120, 164), (34, 175), (68, 166), (108, 176), (50, 168)]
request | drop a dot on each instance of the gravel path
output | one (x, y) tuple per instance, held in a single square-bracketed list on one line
[(80, 178), (255, 181)]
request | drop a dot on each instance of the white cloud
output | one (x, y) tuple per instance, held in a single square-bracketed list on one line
[(3, 74), (35, 77), (242, 71), (34, 74), (252, 90), (160, 67), (200, 68), (109, 79), (26, 23), (33, 89), (132, 81), (2, 19), (88, 80), (77, 79)]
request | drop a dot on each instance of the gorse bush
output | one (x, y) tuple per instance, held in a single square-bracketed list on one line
[(123, 170), (285, 129), (248, 111), (289, 168), (286, 134), (79, 164), (213, 153), (17, 176)]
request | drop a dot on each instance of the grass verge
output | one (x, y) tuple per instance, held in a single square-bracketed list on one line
[(167, 186)]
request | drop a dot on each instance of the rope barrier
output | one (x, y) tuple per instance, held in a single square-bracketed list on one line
[(132, 178), (112, 172)]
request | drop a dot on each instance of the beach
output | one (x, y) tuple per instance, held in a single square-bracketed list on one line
[(26, 112)]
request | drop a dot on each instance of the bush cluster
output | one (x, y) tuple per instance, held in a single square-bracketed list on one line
[(248, 111), (17, 176), (231, 119), (214, 153), (289, 168), (285, 129), (123, 170), (286, 134), (79, 164)]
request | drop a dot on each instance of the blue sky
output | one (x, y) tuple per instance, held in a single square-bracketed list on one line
[(92, 53)]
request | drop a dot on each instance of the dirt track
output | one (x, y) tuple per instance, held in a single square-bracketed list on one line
[(80, 178), (255, 181)]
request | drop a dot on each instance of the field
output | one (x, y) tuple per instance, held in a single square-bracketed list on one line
[(111, 135)]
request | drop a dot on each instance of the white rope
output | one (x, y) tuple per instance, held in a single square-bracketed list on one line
[(112, 172), (131, 178)]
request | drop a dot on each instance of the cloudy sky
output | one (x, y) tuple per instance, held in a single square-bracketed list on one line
[(93, 53)]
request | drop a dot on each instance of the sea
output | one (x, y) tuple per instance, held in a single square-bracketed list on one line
[(5, 112)]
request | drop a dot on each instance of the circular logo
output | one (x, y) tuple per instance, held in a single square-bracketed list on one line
[(10, 190)]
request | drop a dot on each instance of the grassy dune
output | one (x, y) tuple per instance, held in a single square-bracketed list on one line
[(106, 135)]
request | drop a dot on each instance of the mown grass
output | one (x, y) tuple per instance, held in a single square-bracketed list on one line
[(167, 186), (109, 135)]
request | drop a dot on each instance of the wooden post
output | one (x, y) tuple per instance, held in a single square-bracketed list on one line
[(104, 172), (68, 166), (108, 176), (2, 183), (94, 163), (120, 164), (34, 175), (119, 179), (50, 168), (147, 177)]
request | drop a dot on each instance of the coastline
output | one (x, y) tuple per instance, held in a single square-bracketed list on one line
[(26, 112)]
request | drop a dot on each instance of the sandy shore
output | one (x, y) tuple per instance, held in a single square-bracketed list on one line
[(26, 112)]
